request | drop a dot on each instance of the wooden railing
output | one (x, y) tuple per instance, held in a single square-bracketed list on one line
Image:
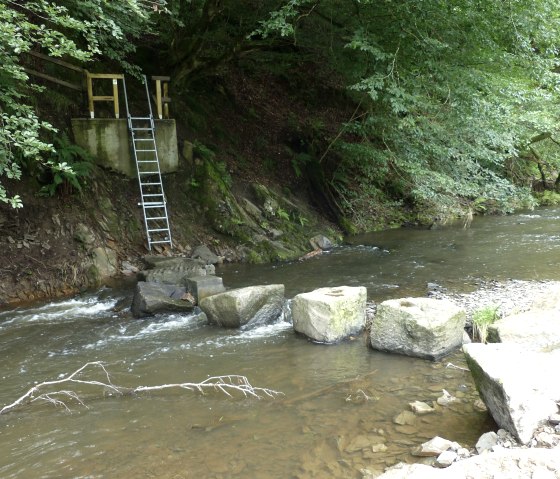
[(57, 61), (161, 96), (114, 77)]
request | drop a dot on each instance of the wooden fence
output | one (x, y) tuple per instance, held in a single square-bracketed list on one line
[(161, 97)]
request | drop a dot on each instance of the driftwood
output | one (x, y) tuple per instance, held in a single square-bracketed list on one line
[(228, 385), (311, 254)]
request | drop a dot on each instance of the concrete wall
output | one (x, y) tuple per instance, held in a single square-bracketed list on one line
[(108, 140)]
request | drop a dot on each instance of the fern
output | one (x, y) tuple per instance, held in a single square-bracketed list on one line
[(69, 167)]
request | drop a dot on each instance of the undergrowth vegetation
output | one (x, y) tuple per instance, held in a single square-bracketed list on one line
[(481, 320), (455, 103)]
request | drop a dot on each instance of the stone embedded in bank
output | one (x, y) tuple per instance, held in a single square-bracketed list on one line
[(239, 307), (321, 242), (486, 442), (328, 315), (433, 447), (421, 327), (203, 253)]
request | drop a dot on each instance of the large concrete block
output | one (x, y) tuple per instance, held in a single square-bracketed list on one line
[(328, 315), (108, 141), (422, 327)]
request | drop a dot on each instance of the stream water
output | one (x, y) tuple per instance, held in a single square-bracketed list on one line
[(335, 397)]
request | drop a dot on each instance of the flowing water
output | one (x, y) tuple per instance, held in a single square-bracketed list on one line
[(336, 398)]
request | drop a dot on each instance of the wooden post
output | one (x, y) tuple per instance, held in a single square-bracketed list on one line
[(166, 104), (116, 97), (162, 97), (90, 95), (158, 99)]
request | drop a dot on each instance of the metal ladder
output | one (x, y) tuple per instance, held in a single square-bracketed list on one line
[(153, 202)]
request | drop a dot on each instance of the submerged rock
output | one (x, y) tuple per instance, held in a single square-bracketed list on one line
[(519, 387), (405, 418), (422, 327), (421, 408), (329, 315), (238, 307)]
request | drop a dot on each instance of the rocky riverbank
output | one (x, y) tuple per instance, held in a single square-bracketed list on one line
[(509, 376)]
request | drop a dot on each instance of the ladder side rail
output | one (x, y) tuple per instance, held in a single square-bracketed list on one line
[(127, 109), (162, 191), (149, 101)]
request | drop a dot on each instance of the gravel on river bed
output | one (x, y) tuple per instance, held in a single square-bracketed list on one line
[(509, 297)]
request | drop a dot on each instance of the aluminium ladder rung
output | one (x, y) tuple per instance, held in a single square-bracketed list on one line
[(158, 230), (143, 139), (161, 205), (156, 218), (161, 241), (141, 129), (152, 194), (150, 184), (148, 161), (149, 173), (140, 118), (142, 151)]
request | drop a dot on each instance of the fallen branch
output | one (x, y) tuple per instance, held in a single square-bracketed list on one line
[(228, 385), (452, 366)]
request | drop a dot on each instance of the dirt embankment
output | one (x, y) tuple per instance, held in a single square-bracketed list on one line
[(238, 144)]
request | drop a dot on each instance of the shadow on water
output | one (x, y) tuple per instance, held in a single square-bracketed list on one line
[(336, 398)]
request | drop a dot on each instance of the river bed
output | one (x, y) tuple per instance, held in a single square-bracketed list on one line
[(333, 396)]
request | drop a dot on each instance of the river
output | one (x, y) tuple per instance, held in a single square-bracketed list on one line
[(334, 396)]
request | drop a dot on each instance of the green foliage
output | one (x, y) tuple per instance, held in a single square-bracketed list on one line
[(299, 162), (202, 151), (283, 214), (548, 198), (481, 319), (448, 93), (78, 29), (69, 166)]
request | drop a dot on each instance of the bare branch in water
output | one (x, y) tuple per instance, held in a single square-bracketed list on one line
[(227, 385)]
